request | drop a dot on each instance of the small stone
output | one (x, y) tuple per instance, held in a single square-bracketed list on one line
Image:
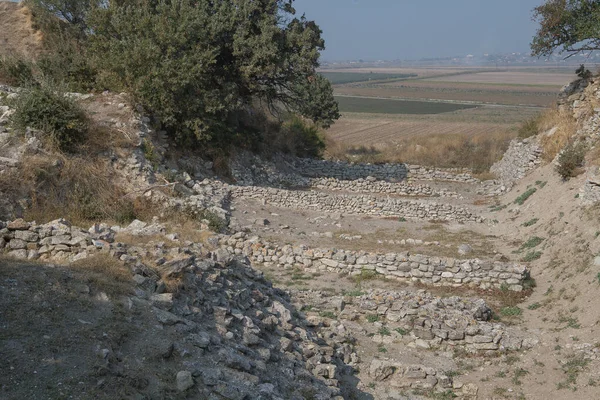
[(17, 244), (18, 225), (184, 380), (163, 300), (380, 370), (27, 236), (470, 391), (464, 249)]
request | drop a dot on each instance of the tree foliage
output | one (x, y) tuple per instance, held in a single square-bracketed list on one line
[(571, 26), (198, 65)]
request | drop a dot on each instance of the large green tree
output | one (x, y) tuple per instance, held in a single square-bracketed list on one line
[(201, 65), (571, 26)]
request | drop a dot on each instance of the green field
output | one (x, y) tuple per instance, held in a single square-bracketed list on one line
[(337, 78), (388, 106)]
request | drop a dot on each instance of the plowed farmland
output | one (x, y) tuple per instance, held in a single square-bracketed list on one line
[(356, 129), (450, 105), (511, 77), (484, 94)]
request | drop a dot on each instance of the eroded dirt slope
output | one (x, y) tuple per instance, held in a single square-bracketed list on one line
[(17, 35)]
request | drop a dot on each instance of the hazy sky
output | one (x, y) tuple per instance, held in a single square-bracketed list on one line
[(413, 29)]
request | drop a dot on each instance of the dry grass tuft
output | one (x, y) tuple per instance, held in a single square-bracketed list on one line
[(78, 186), (80, 189), (101, 139), (566, 127), (106, 274)]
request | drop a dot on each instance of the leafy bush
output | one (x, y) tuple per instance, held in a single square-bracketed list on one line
[(511, 311), (532, 256), (70, 66), (60, 119), (570, 160), (215, 222), (199, 67), (583, 72), (531, 243), (302, 138), (65, 58), (15, 72), (531, 222), (372, 318), (523, 197), (529, 128)]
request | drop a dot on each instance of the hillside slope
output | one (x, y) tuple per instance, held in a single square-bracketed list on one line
[(295, 278), (17, 35)]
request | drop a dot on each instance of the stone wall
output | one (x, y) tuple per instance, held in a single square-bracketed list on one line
[(372, 185), (281, 171), (521, 157), (56, 240), (387, 172), (402, 266), (354, 204)]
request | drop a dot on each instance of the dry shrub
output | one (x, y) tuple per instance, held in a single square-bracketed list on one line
[(570, 160), (475, 151), (79, 186), (188, 229), (15, 71), (104, 273), (566, 127), (79, 189), (103, 139)]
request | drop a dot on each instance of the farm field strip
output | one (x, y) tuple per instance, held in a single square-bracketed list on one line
[(466, 97), (337, 78), (445, 109), (510, 77), (443, 85), (427, 71), (396, 106)]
